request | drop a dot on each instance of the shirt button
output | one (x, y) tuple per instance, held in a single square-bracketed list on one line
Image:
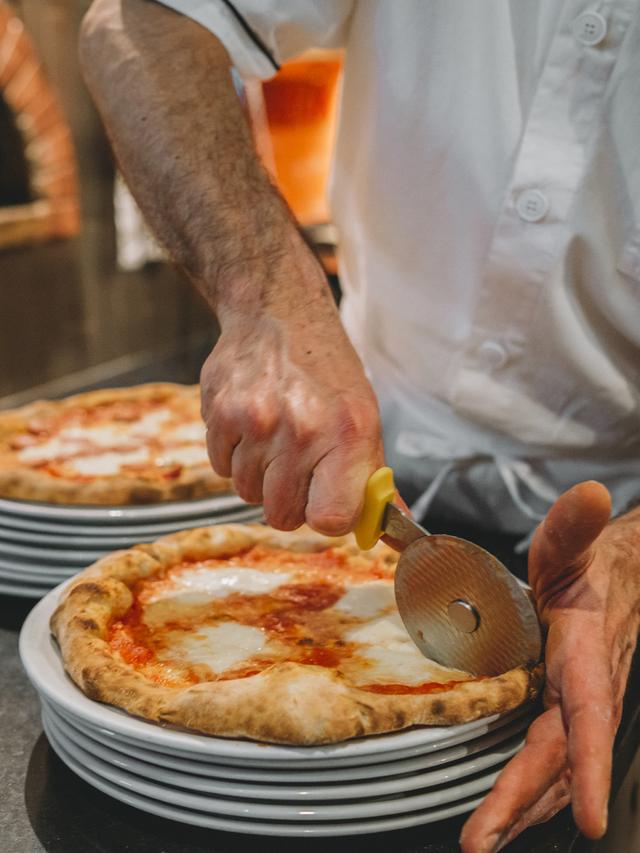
[(532, 205), (590, 28), (492, 354)]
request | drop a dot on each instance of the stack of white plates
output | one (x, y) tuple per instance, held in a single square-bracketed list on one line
[(44, 544), (369, 785)]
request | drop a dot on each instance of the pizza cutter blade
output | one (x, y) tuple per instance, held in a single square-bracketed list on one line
[(459, 604)]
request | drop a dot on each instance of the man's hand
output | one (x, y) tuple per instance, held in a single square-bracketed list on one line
[(292, 418), (585, 577)]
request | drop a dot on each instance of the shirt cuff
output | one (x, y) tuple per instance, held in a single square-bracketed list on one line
[(248, 54)]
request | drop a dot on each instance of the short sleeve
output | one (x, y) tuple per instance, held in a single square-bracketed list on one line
[(261, 34)]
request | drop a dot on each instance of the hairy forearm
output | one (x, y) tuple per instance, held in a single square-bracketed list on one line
[(163, 87)]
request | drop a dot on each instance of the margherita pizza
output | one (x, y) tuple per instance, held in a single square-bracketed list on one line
[(119, 446), (238, 630)]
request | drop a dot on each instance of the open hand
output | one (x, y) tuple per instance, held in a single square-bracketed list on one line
[(586, 582)]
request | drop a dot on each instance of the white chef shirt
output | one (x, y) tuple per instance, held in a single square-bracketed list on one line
[(486, 190)]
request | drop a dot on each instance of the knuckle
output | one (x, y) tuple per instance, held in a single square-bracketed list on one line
[(222, 414), (260, 419), (303, 431), (357, 421)]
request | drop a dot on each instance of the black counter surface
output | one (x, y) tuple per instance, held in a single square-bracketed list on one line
[(44, 807)]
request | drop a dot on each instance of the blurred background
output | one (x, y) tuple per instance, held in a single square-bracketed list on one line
[(88, 299)]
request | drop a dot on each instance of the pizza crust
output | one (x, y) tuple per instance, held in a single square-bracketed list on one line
[(287, 703), (21, 482)]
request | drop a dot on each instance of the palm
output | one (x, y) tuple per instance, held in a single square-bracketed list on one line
[(591, 628)]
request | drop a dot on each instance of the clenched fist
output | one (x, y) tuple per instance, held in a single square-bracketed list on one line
[(292, 418)]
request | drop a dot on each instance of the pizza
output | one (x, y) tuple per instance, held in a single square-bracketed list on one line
[(119, 446), (241, 631)]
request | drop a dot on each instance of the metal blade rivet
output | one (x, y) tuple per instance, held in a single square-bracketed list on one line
[(463, 616)]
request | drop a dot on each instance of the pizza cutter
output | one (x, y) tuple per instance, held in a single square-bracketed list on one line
[(460, 605)]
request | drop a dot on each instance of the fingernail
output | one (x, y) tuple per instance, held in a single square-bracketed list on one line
[(605, 817), (492, 844), (496, 841)]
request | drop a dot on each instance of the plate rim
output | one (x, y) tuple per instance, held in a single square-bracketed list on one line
[(24, 591), (241, 514), (301, 812), (35, 558), (395, 767), (114, 514), (290, 792), (149, 806), (33, 577)]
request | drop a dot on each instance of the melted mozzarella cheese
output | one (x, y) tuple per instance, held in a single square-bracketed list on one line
[(189, 455), (218, 646), (367, 600), (55, 448), (103, 464), (149, 424), (391, 656), (402, 665), (194, 431), (388, 631), (200, 584), (100, 436)]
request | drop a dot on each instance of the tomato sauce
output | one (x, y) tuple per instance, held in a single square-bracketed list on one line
[(41, 429), (298, 617)]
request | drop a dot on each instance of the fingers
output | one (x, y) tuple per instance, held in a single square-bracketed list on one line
[(285, 488), (223, 433), (561, 545), (247, 467), (588, 708), (522, 783), (549, 804), (220, 447), (336, 491)]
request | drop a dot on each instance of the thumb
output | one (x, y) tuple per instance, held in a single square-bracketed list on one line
[(562, 543), (336, 493)]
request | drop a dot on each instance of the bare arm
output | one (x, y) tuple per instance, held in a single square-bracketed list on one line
[(290, 413)]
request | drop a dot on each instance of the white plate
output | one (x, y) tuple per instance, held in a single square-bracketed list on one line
[(23, 590), (255, 810), (111, 538), (42, 663), (253, 827), (47, 556), (244, 513), (42, 577), (32, 538), (199, 767), (117, 514), (278, 791), (16, 565), (18, 568)]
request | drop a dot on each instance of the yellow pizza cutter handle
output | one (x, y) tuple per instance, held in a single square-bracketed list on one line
[(379, 491)]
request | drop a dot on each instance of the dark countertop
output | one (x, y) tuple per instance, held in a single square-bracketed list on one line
[(44, 807)]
